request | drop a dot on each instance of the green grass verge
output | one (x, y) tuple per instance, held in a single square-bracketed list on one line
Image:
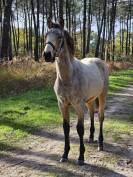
[(27, 113), (120, 79), (31, 111)]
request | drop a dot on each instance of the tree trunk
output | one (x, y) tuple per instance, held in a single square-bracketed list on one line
[(61, 8), (89, 28), (50, 14), (113, 28), (104, 26), (5, 48), (84, 29), (130, 25), (36, 27), (100, 31)]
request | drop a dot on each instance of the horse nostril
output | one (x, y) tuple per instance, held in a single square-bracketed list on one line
[(47, 55)]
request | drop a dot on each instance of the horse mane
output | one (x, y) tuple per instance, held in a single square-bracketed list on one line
[(70, 42)]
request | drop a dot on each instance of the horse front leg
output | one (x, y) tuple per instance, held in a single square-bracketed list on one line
[(66, 127), (80, 130)]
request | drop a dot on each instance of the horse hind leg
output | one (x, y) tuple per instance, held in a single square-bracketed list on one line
[(92, 127), (101, 99)]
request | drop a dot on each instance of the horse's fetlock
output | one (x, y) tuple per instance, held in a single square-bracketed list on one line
[(81, 157), (100, 148)]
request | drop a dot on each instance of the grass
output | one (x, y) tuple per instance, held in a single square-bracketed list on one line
[(118, 125), (33, 110), (26, 113), (120, 79)]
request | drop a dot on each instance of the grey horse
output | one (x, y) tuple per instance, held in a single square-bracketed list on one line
[(79, 83)]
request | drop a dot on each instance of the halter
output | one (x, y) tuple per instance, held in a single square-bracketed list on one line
[(52, 45)]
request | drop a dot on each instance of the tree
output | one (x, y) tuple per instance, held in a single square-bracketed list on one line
[(36, 27), (100, 29), (84, 29), (89, 26), (6, 37), (61, 2), (27, 37)]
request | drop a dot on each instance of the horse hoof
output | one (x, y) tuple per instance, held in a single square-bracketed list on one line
[(80, 162), (100, 148), (63, 160), (90, 141)]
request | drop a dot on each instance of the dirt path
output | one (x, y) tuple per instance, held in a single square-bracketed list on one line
[(121, 104), (38, 155)]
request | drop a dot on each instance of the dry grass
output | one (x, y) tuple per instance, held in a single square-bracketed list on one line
[(116, 66), (24, 74)]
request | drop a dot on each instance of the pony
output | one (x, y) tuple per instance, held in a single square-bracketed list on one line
[(79, 83)]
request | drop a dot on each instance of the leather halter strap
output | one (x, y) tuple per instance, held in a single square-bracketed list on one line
[(50, 43)]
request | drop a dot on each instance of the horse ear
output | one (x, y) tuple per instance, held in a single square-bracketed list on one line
[(61, 22), (49, 23)]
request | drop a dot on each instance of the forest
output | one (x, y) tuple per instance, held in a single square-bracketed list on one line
[(95, 93), (100, 28)]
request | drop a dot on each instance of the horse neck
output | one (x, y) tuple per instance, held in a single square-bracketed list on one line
[(64, 67)]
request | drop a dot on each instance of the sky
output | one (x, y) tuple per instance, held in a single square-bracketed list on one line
[(93, 26)]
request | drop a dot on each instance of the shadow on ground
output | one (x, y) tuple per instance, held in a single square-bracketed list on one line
[(44, 167)]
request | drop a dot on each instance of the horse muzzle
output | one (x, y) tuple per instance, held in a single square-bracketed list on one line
[(48, 57)]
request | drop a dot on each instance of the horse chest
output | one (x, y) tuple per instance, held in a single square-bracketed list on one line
[(66, 93)]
